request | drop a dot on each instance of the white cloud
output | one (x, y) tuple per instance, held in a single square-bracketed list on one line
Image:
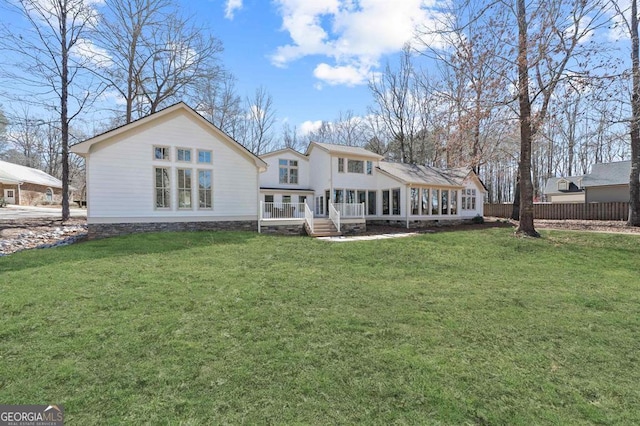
[(85, 49), (231, 7), (353, 34), (309, 126), (347, 75)]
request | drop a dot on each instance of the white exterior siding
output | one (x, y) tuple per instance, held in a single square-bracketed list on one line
[(353, 180), (121, 174), (479, 210), (271, 178), (320, 174)]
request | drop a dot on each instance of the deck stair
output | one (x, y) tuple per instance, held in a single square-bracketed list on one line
[(323, 228)]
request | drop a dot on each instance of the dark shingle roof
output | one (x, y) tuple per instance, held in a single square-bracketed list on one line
[(551, 187), (605, 174)]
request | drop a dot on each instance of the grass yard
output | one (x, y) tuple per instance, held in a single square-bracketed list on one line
[(473, 327)]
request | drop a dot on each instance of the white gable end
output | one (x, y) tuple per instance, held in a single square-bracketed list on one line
[(120, 173)]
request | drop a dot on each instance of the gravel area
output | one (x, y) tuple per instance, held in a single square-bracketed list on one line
[(23, 234)]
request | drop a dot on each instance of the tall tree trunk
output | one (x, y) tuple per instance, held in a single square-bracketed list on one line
[(526, 186), (515, 213), (64, 112), (634, 177)]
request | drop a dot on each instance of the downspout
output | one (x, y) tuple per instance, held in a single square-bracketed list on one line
[(19, 200)]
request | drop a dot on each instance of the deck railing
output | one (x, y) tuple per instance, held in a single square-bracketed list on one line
[(350, 209), (334, 215), (270, 210), (308, 217)]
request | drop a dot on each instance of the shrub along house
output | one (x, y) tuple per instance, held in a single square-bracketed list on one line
[(26, 186), (174, 170)]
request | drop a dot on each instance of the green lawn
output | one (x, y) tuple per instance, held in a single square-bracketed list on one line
[(473, 327)]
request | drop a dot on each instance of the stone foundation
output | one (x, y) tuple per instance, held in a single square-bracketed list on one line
[(289, 229), (104, 230), (353, 228)]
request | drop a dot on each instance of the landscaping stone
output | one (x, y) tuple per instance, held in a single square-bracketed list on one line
[(46, 238)]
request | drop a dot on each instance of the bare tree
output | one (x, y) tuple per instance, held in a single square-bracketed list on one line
[(123, 33), (634, 177), (261, 117), (182, 56), (152, 54), (290, 137), (53, 63), (218, 101), (396, 105)]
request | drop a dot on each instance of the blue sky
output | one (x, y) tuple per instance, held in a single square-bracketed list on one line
[(314, 57)]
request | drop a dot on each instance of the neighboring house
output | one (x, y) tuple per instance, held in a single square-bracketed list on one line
[(174, 170), (607, 182), (26, 186), (170, 170), (564, 190)]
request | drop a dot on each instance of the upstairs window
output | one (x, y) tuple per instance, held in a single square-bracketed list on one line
[(340, 165), (288, 171), (563, 185), (355, 166), (369, 167), (204, 157), (184, 155), (160, 153)]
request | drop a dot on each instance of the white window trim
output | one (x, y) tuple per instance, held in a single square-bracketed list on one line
[(168, 150), (178, 148), (198, 190), (153, 183), (178, 189), (197, 159)]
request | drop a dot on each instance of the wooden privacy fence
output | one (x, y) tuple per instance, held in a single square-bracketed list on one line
[(576, 211)]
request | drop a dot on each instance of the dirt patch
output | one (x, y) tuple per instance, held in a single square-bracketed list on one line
[(610, 226)]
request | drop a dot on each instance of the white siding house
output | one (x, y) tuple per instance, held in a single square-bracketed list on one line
[(174, 170), (364, 188), (170, 170)]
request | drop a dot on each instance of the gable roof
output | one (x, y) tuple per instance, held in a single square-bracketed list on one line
[(426, 175), (84, 148), (605, 174), (14, 173), (343, 149), (575, 185), (284, 151)]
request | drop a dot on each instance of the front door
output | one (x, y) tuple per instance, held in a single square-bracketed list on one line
[(10, 196)]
